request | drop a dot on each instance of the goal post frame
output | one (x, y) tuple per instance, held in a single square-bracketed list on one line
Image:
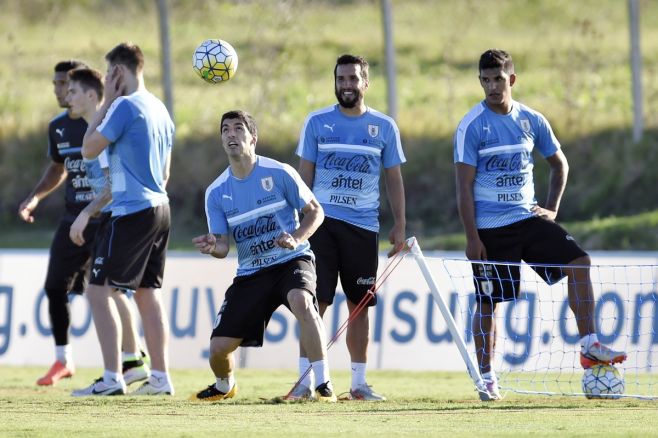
[(471, 366)]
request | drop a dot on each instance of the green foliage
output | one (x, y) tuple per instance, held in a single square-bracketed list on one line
[(571, 61), (420, 404), (633, 233)]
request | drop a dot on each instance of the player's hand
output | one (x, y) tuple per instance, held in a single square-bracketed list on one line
[(287, 241), (26, 208), (544, 213), (76, 232), (205, 243), (475, 250), (397, 238), (114, 84)]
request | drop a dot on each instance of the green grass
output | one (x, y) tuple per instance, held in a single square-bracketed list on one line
[(420, 404)]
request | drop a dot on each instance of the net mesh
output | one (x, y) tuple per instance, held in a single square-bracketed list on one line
[(537, 346)]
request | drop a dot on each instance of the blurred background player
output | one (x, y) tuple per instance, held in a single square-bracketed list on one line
[(85, 92), (68, 265), (342, 149), (256, 200), (137, 131), (496, 198)]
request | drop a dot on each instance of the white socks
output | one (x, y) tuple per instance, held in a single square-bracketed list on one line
[(321, 371), (110, 376), (224, 384), (160, 377), (64, 353), (358, 374), (490, 376), (309, 379), (587, 341), (129, 357)]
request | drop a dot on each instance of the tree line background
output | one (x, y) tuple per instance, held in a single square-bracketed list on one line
[(571, 60)]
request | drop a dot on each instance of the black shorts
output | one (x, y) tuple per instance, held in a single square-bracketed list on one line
[(536, 241), (68, 266), (252, 299), (132, 250), (352, 252)]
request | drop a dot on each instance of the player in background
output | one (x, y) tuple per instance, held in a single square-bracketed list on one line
[(257, 200), (135, 128), (85, 92), (503, 222), (342, 149), (68, 265)]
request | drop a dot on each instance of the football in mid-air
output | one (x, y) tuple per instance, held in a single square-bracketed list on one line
[(602, 381), (216, 61)]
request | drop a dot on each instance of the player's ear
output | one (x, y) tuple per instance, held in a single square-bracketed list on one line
[(512, 79)]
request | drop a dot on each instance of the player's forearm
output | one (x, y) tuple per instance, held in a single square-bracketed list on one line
[(464, 180), (556, 186), (221, 248), (100, 201), (395, 190), (466, 208), (91, 149), (98, 119), (306, 171), (313, 217), (220, 251), (557, 180), (52, 178), (166, 171)]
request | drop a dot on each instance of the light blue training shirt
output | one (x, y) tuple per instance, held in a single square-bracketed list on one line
[(500, 147), (141, 135), (348, 153), (258, 209)]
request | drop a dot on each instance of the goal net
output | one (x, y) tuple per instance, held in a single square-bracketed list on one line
[(537, 343)]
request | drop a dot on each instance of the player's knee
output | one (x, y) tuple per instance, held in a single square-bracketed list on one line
[(300, 301), (485, 308), (580, 269), (359, 314), (582, 261)]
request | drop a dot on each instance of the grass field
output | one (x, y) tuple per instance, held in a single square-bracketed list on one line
[(420, 404)]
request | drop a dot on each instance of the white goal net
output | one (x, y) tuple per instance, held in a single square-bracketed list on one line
[(537, 343)]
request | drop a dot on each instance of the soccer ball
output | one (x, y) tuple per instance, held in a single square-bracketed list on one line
[(216, 61), (602, 381)]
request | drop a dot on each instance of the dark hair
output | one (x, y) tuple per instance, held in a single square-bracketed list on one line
[(495, 58), (245, 117), (64, 66), (127, 54), (353, 59), (88, 79)]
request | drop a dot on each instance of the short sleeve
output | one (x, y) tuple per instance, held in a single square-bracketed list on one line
[(308, 145), (217, 223), (546, 141), (393, 154), (466, 144), (116, 121), (296, 191)]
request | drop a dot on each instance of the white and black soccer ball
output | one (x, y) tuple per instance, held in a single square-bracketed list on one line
[(602, 381), (216, 61)]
